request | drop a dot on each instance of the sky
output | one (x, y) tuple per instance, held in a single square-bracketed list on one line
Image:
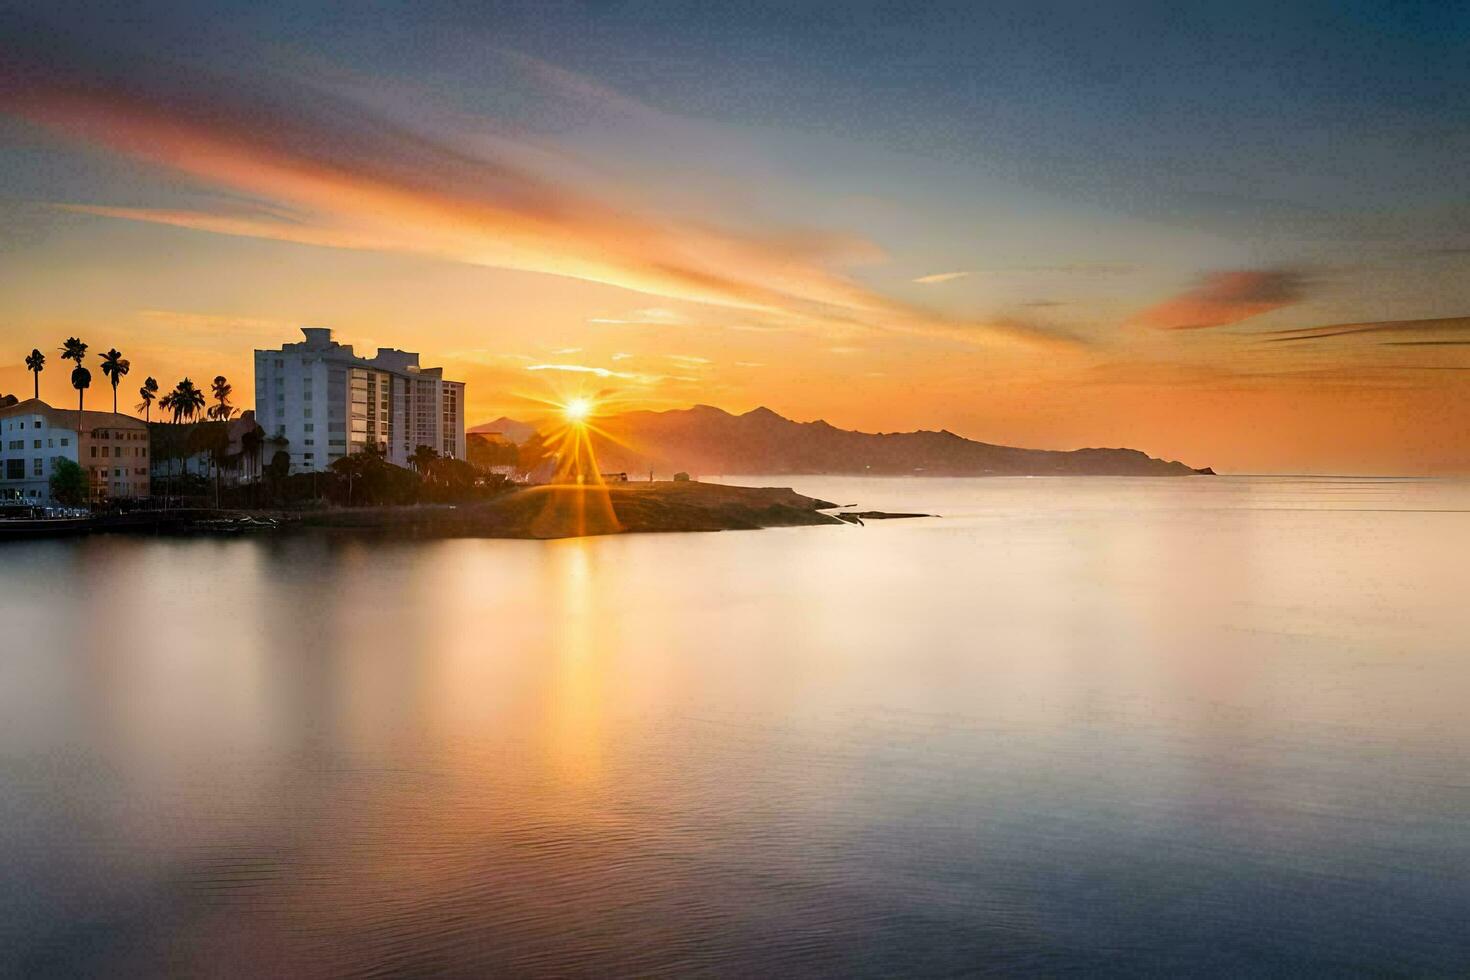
[(1237, 235)]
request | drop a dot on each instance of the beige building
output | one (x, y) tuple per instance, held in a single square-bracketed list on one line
[(111, 449)]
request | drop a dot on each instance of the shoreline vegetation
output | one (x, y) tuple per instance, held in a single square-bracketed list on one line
[(533, 513)]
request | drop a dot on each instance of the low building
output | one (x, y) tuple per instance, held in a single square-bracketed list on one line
[(241, 461), (111, 449)]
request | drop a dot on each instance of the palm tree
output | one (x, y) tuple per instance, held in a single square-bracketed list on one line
[(73, 350), (81, 379), (184, 403), (148, 392), (221, 388), (115, 368), (221, 413), (167, 404), (35, 363)]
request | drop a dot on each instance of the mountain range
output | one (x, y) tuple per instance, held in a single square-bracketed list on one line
[(709, 441), (516, 432)]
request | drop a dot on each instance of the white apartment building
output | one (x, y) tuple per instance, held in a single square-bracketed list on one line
[(112, 450), (327, 402)]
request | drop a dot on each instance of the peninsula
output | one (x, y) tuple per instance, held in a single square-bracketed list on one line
[(559, 511), (538, 512)]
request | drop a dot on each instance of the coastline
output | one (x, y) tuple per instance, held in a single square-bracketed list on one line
[(532, 513)]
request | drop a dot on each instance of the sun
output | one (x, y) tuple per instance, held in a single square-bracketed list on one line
[(577, 410)]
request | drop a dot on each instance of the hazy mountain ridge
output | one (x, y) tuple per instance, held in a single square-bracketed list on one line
[(508, 427), (705, 441)]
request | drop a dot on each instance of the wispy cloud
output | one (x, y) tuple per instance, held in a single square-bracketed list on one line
[(360, 167), (941, 277), (652, 314), (1439, 325), (583, 369), (1223, 298)]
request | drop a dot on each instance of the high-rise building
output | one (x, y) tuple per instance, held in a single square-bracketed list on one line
[(327, 402)]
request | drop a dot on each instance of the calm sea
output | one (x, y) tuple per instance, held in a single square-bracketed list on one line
[(1095, 726)]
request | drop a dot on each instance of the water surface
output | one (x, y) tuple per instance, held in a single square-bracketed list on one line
[(1069, 726)]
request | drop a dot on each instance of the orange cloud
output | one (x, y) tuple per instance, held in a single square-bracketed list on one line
[(1224, 298), (334, 171)]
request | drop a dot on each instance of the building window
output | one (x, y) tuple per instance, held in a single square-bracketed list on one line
[(94, 451), (15, 469), (65, 441), (36, 469)]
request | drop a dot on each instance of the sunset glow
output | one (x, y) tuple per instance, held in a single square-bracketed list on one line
[(577, 410), (651, 488), (1025, 277)]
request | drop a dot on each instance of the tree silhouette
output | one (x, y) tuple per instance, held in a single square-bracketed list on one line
[(35, 363), (115, 368), (148, 392), (223, 411), (81, 379), (184, 403), (423, 459)]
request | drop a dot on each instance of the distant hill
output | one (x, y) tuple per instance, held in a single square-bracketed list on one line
[(510, 428), (707, 441)]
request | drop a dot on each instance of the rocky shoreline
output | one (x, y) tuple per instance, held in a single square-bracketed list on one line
[(534, 513)]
